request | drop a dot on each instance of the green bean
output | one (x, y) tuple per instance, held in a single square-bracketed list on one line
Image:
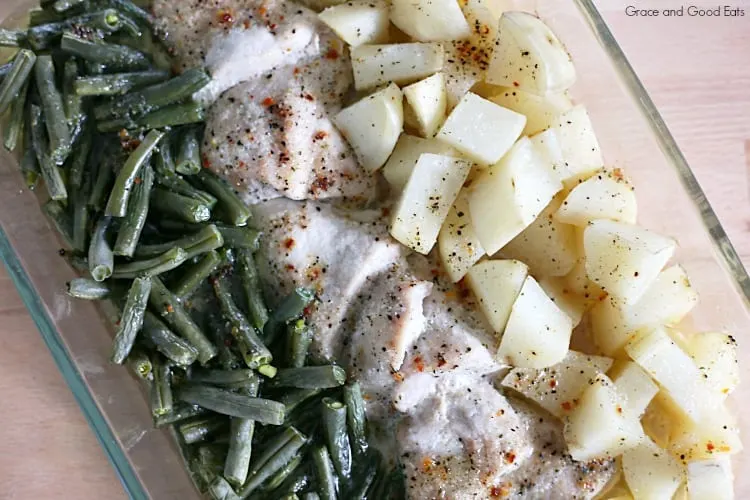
[(268, 371), (253, 294), (220, 489), (45, 35), (232, 207), (189, 152), (80, 157), (81, 219), (180, 412), (294, 484), (105, 175), (294, 398), (135, 218), (162, 398), (286, 471), (50, 172), (176, 183), (15, 127), (230, 403), (131, 9), (112, 56), (141, 365), (5, 69), (299, 339), (29, 165), (169, 308), (355, 415), (118, 83), (224, 378), (84, 288), (60, 219), (172, 116), (73, 103), (275, 463), (290, 308), (201, 428), (101, 258), (171, 259), (271, 447), (240, 237), (227, 358), (336, 437), (118, 198), (188, 242), (241, 432), (12, 38), (65, 5), (16, 78), (324, 473), (310, 377), (132, 319), (254, 351), (310, 495), (157, 335), (182, 207), (44, 16), (197, 275), (364, 478)]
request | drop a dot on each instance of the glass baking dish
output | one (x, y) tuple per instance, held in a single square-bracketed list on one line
[(631, 133)]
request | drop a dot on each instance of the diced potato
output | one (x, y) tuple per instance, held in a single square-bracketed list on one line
[(428, 100), (566, 299), (457, 242), (406, 154), (675, 372), (541, 112), (605, 195), (529, 56), (600, 426), (547, 246), (658, 420), (557, 388), (624, 259), (400, 63), (715, 355), (618, 491), (496, 284), (635, 385), (651, 473), (428, 196), (381, 111), (358, 22), (579, 145), (578, 283), (481, 129), (669, 299), (507, 197), (538, 332), (548, 146), (430, 20), (710, 479), (715, 434)]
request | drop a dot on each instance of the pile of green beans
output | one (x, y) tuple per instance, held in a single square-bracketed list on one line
[(93, 111)]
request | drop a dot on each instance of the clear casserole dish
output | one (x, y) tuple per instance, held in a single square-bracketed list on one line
[(632, 136)]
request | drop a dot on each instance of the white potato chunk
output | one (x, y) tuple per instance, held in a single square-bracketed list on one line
[(358, 22), (715, 355), (381, 112), (401, 63), (710, 479), (529, 56), (537, 334), (651, 472), (481, 129), (717, 433), (541, 112), (669, 299), (579, 145), (557, 388), (426, 199), (635, 385), (547, 246), (507, 197), (674, 371), (406, 154), (430, 20), (457, 242), (571, 303), (548, 146), (600, 426), (624, 259), (578, 283), (605, 195), (497, 284), (428, 101)]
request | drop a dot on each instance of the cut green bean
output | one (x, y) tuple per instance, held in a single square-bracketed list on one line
[(241, 432), (364, 477), (81, 220), (29, 164), (232, 207), (201, 428), (285, 472), (171, 259), (355, 416), (182, 207), (105, 175), (65, 5), (16, 78), (229, 403), (294, 398), (190, 242), (228, 360), (118, 199), (17, 120), (295, 483), (169, 116), (38, 17), (112, 56), (310, 495), (309, 377), (274, 464), (240, 237), (160, 337), (101, 258), (289, 309), (220, 489), (73, 103), (132, 319), (188, 152), (131, 9), (180, 412), (118, 83), (141, 365), (80, 157), (84, 288), (271, 446), (49, 170), (299, 337), (162, 398), (254, 352), (135, 218), (224, 378), (253, 294), (324, 473), (336, 437), (60, 219), (268, 371), (176, 183), (196, 275), (12, 38), (60, 138), (166, 305)]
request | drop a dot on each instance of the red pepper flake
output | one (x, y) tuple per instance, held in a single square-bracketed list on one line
[(290, 267), (320, 135), (516, 84), (268, 102), (289, 243), (419, 363), (170, 308), (441, 360), (138, 180), (553, 383), (225, 16), (566, 405), (307, 311), (710, 447), (510, 457), (500, 491), (262, 11), (427, 464), (619, 409), (296, 71), (272, 26), (398, 377), (321, 183), (500, 412), (205, 162), (246, 24), (241, 164), (332, 54)]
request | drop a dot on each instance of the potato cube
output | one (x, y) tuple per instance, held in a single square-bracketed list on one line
[(401, 63), (427, 99), (566, 299), (430, 20), (651, 472), (358, 22), (716, 433), (406, 154), (579, 145), (458, 243), (710, 479), (541, 112), (635, 385), (605, 195), (715, 355), (496, 284)]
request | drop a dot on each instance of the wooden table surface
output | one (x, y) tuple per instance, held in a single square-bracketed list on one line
[(697, 70)]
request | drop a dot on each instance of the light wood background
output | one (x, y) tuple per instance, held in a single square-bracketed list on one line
[(697, 70)]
